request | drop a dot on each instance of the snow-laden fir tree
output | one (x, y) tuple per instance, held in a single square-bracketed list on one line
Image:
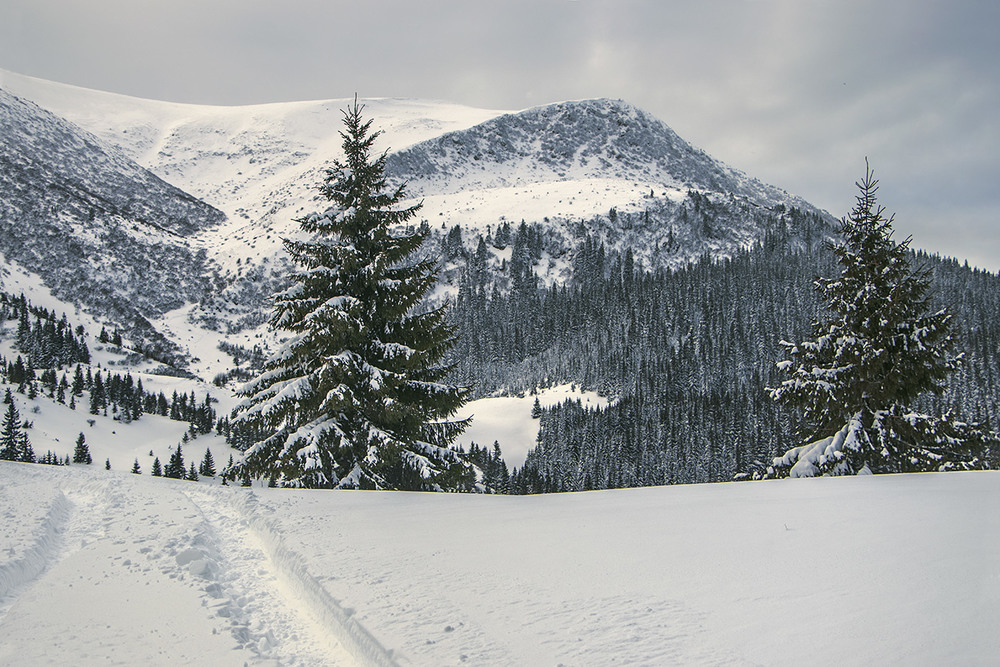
[(355, 398), (880, 348)]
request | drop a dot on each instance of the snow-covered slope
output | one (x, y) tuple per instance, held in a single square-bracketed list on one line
[(99, 567), (259, 164), (598, 168), (95, 226)]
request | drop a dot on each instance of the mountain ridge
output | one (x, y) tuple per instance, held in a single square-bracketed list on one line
[(602, 168), (575, 140)]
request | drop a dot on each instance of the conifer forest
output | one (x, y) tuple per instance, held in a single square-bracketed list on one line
[(686, 355)]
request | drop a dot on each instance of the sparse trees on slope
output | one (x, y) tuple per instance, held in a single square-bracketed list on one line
[(880, 348), (355, 398)]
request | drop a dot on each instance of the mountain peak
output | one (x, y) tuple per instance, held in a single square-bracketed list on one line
[(572, 141)]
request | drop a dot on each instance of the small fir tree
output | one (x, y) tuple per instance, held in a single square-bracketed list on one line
[(192, 473), (207, 468), (356, 397), (175, 466), (26, 451), (228, 471), (107, 464), (81, 453), (157, 468), (880, 348), (136, 470), (10, 433)]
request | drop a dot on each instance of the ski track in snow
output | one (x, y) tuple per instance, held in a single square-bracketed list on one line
[(93, 547), (31, 542), (284, 602)]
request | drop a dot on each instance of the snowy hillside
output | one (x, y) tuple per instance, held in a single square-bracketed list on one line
[(96, 228), (260, 164), (100, 567), (604, 152), (597, 168), (85, 197)]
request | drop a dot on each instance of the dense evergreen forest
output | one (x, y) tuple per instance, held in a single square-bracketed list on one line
[(686, 355)]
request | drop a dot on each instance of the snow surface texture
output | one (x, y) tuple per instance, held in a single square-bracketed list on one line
[(109, 567)]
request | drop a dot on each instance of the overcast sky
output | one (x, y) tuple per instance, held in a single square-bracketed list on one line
[(794, 92)]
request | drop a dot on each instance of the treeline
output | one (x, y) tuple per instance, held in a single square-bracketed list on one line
[(686, 354)]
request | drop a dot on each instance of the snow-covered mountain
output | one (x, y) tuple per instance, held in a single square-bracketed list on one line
[(96, 227), (603, 141), (597, 167)]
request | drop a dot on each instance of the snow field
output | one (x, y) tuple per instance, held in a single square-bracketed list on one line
[(292, 576), (112, 592), (140, 575), (880, 570), (507, 420), (130, 570)]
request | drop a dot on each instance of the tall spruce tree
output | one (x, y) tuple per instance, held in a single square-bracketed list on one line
[(879, 349), (356, 398)]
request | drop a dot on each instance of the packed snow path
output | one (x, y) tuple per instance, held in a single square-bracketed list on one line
[(100, 567), (123, 571), (260, 561)]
